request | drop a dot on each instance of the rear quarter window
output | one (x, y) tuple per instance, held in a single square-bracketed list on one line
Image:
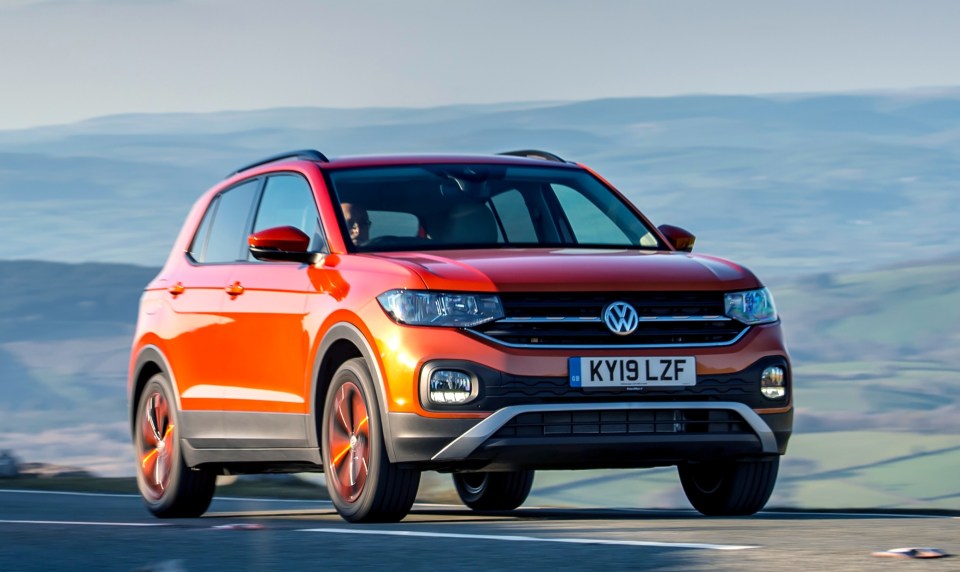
[(199, 244)]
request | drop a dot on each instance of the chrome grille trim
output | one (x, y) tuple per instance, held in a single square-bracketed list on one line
[(548, 320), (611, 346), (581, 320)]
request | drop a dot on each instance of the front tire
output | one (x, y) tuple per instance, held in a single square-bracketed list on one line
[(493, 491), (363, 484), (170, 489), (729, 488)]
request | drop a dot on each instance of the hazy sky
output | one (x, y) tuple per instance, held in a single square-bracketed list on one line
[(66, 60)]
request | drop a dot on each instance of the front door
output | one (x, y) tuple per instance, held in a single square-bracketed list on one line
[(265, 399)]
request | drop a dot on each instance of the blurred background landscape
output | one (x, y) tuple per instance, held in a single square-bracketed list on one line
[(846, 205)]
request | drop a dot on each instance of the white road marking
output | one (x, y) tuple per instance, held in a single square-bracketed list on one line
[(316, 501), (668, 511), (457, 506), (511, 538), (856, 514), (28, 492), (118, 495), (77, 523), (443, 505)]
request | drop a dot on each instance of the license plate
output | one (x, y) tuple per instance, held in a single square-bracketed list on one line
[(594, 372)]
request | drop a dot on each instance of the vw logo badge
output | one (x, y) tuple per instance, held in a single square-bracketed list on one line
[(621, 318)]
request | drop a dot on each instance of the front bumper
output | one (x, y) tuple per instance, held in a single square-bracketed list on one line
[(532, 418), (590, 435)]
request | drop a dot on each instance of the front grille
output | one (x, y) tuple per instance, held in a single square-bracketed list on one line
[(624, 422), (575, 319), (530, 389)]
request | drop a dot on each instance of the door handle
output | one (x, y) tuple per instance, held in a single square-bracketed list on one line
[(234, 289), (176, 289)]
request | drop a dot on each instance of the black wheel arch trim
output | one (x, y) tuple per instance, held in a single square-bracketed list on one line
[(151, 354), (345, 331)]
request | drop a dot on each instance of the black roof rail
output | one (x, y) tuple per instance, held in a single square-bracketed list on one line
[(308, 154), (534, 154)]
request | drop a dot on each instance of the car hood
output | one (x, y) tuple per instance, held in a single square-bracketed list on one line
[(569, 270)]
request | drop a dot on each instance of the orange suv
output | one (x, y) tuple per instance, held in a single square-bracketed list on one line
[(486, 316)]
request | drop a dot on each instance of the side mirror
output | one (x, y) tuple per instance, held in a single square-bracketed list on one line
[(678, 237), (284, 243)]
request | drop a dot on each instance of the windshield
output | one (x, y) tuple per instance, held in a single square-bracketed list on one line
[(438, 207)]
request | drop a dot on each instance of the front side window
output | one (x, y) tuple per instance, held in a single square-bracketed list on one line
[(588, 222), (484, 206), (288, 201)]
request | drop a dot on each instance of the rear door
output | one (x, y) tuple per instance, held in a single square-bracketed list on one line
[(196, 345)]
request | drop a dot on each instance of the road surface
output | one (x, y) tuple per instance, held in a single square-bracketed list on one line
[(84, 531)]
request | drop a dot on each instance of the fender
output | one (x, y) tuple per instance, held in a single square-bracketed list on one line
[(349, 332)]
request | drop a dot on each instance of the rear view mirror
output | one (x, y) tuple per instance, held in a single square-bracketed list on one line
[(679, 238), (285, 243)]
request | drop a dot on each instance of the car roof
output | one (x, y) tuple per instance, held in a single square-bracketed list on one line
[(420, 159), (524, 157)]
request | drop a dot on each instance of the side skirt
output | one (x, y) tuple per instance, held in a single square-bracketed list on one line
[(266, 460), (225, 437)]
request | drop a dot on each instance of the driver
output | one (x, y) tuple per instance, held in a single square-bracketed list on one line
[(358, 222)]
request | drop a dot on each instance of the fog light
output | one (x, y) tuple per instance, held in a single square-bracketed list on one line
[(450, 386), (771, 383)]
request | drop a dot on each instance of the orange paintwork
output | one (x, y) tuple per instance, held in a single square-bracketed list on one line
[(266, 335)]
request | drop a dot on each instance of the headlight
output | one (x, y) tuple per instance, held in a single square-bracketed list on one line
[(751, 306), (418, 308)]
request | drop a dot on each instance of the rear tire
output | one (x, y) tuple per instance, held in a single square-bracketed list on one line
[(363, 484), (170, 489), (729, 488), (493, 491)]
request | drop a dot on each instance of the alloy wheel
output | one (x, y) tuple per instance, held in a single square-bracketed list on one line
[(348, 440), (156, 445)]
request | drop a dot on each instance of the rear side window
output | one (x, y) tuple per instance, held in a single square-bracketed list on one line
[(288, 201), (228, 232), (515, 217), (392, 223)]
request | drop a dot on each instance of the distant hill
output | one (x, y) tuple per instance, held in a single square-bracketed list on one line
[(52, 300), (787, 185), (871, 350), (878, 349), (65, 334)]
